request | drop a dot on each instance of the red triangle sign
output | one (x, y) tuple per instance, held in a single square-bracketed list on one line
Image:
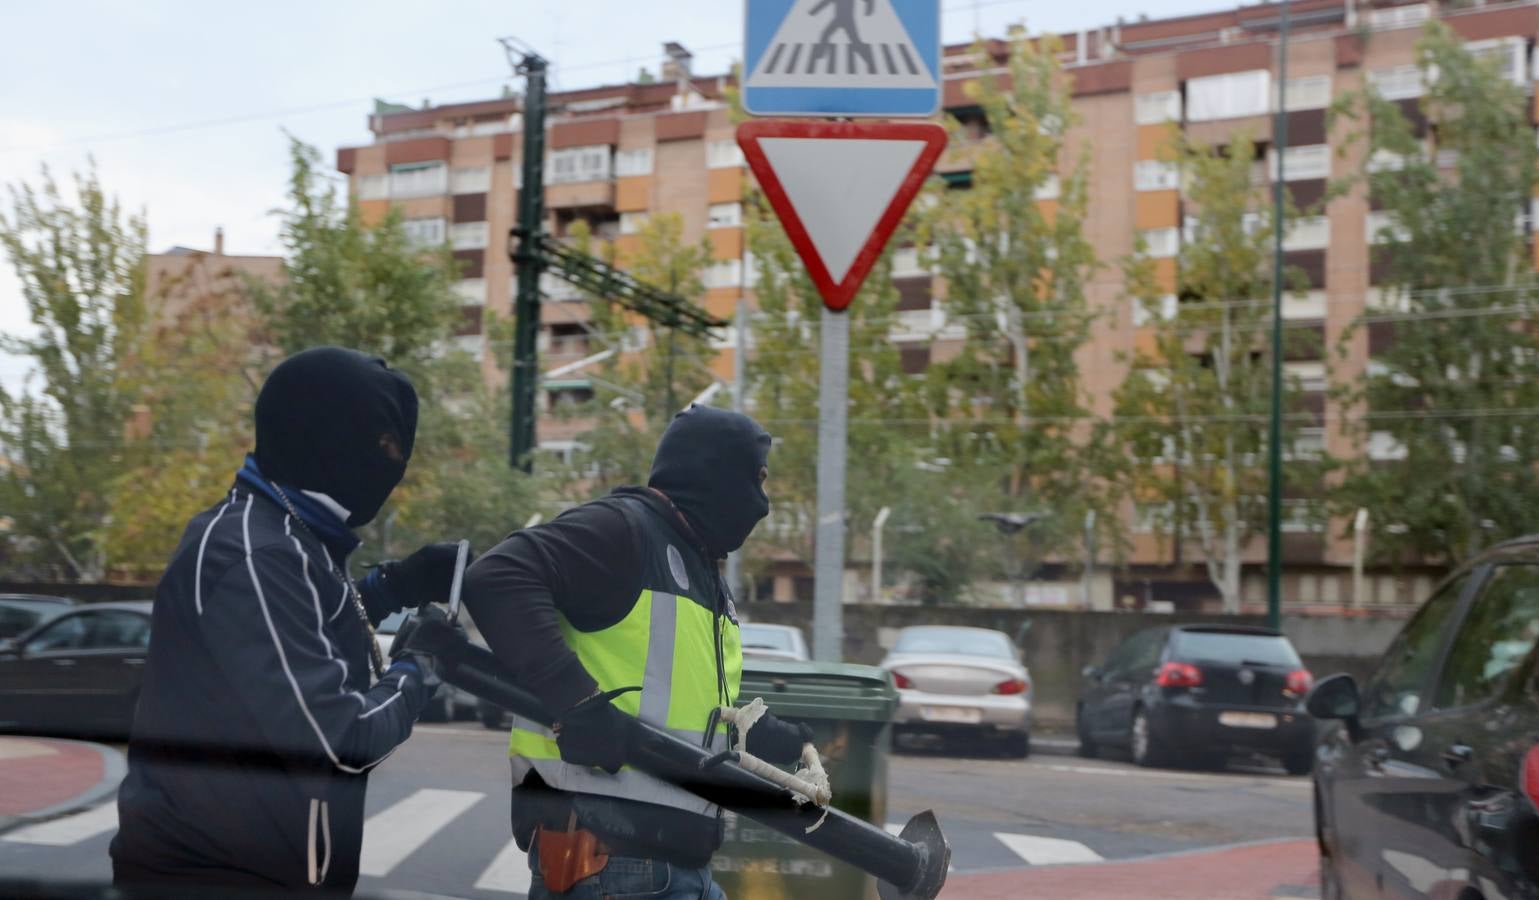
[(840, 189)]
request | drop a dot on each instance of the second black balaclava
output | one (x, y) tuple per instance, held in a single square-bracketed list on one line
[(320, 418), (708, 464)]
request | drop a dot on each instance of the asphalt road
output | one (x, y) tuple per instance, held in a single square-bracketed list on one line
[(438, 814)]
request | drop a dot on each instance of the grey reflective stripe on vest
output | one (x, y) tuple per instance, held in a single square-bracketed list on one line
[(657, 688), (629, 784)]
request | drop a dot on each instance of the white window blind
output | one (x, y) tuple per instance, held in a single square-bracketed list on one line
[(1386, 161), (476, 180), (424, 232), (634, 162), (1049, 189), (1308, 233), (1228, 96), (1162, 242), (1511, 54), (1302, 163), (724, 274), (372, 187), (577, 164), (1399, 16), (471, 291), (1162, 309), (1381, 228), (724, 215), (723, 154), (468, 235), (418, 179), (1312, 92), (1154, 175), (1152, 109), (631, 222), (1398, 82)]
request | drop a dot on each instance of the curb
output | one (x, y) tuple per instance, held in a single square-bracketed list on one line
[(114, 767)]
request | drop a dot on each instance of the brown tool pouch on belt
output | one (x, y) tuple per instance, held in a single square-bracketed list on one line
[(567, 857)]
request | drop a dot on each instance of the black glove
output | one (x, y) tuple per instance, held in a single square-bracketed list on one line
[(414, 582), (778, 741), (595, 733), (407, 659)]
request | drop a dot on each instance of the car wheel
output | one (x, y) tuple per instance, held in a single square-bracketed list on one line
[(1146, 748), (1018, 744), (1087, 747), (1299, 763)]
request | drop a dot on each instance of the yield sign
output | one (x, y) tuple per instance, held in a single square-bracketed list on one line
[(840, 189)]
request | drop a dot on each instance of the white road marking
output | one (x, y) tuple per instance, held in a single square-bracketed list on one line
[(68, 830), (1233, 779), (391, 835), (509, 872), (1044, 851)]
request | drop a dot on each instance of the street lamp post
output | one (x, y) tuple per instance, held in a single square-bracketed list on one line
[(1274, 436)]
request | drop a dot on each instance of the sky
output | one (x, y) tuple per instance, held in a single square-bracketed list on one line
[(185, 107)]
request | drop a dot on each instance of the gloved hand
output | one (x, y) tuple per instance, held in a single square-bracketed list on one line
[(778, 741), (411, 583), (405, 659), (594, 733)]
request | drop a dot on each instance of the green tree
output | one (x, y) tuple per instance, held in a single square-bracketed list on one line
[(1457, 382), (1009, 408), (1191, 415), (80, 262)]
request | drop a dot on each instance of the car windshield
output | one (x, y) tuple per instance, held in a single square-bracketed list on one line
[(960, 641), (761, 637), (1236, 647)]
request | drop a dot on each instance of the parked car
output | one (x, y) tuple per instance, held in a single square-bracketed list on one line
[(77, 672), (1199, 692), (1427, 778), (22, 612), (450, 703), (961, 682), (779, 642)]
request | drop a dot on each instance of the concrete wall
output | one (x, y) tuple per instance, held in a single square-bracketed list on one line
[(1059, 644)]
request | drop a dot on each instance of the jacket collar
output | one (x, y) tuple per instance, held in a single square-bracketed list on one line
[(319, 513)]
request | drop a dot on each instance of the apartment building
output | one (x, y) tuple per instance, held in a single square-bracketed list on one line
[(619, 153)]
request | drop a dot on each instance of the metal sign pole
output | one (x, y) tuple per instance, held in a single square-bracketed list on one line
[(833, 407)]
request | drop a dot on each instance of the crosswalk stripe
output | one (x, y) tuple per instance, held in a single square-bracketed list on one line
[(1042, 851), (71, 829), (391, 835), (508, 872)]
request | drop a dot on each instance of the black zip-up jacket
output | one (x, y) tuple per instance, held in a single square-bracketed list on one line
[(257, 721)]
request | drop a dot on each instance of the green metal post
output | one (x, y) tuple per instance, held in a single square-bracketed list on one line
[(1275, 443), (529, 262)]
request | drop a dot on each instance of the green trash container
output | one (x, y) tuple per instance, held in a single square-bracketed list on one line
[(850, 710)]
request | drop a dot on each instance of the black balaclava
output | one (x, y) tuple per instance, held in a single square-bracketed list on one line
[(320, 419), (708, 464)]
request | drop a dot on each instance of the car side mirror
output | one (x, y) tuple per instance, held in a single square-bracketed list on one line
[(1335, 697), (1092, 673)]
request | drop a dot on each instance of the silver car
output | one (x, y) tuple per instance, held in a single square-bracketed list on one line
[(961, 682), (778, 642)]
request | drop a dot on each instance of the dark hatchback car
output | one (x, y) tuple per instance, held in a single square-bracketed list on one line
[(1426, 783), (1199, 693), (77, 673), (22, 612)]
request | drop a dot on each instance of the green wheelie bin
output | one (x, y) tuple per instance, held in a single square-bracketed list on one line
[(850, 710)]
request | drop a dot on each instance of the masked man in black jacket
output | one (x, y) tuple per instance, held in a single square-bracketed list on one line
[(265, 699), (625, 592)]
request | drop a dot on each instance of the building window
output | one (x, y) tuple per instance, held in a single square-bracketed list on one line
[(471, 181), (1308, 233), (492, 126), (1398, 82), (724, 215), (914, 360), (373, 187), (1162, 309), (471, 291), (577, 164), (1228, 96), (632, 222), (723, 155), (1152, 109), (424, 232), (1302, 163), (1313, 92), (1049, 189), (1381, 228), (724, 274), (1162, 243), (634, 162), (418, 179), (468, 235), (1399, 16), (1386, 161), (1153, 175), (1384, 446)]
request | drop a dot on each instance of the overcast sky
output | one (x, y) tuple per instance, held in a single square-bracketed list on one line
[(184, 105)]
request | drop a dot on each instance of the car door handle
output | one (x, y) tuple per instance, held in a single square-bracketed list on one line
[(1458, 754), (62, 662)]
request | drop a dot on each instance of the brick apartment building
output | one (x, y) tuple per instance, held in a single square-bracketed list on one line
[(618, 153)]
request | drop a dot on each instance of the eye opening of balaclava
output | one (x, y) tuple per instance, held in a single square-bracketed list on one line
[(338, 422), (708, 463)]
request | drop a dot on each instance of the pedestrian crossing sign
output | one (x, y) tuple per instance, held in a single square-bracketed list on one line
[(842, 58)]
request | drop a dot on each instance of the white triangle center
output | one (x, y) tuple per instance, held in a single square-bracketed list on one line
[(840, 188)]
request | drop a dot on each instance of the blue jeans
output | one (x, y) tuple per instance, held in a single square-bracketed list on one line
[(628, 878)]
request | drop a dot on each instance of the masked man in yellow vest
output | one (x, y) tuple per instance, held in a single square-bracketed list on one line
[(624, 592)]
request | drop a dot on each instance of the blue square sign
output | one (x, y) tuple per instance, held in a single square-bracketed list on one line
[(842, 58)]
